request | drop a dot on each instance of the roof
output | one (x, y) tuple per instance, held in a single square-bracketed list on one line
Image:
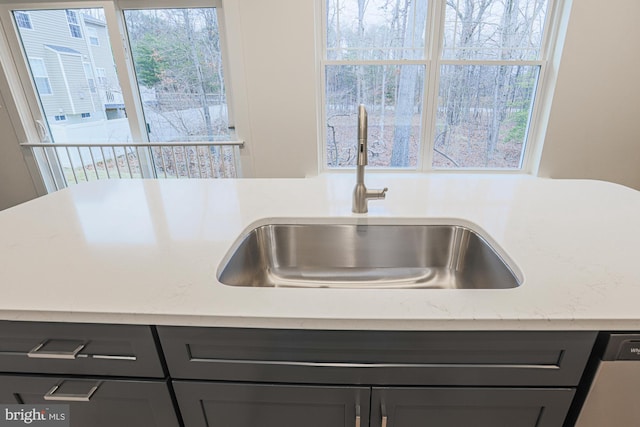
[(91, 20), (62, 49)]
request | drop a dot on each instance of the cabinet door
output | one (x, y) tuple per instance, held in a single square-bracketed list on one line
[(95, 402), (265, 405), (477, 407)]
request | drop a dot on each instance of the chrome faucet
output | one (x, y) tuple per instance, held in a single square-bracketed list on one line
[(360, 193)]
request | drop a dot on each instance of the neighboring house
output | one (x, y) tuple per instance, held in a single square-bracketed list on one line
[(72, 65)]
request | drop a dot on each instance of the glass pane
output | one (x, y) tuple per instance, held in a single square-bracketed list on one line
[(42, 85), (93, 36), (38, 69), (494, 29), (376, 29), (483, 115), (178, 63), (62, 67), (23, 20), (393, 97)]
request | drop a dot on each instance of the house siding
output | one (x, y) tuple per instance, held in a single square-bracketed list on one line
[(103, 58), (59, 101), (78, 85), (51, 28)]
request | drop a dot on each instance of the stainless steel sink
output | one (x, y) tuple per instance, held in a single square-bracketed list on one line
[(366, 256)]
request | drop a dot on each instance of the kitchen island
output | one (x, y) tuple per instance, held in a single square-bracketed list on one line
[(110, 296), (148, 252)]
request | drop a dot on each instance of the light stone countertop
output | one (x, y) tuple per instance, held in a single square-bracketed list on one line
[(147, 252)]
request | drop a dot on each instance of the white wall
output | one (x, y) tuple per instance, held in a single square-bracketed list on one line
[(277, 108), (594, 126), (16, 185)]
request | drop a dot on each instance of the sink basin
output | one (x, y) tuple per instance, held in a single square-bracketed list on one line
[(318, 255)]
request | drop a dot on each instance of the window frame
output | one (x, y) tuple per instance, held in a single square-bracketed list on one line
[(92, 34), (32, 60), (433, 61), (29, 113), (74, 25), (90, 75), (101, 76)]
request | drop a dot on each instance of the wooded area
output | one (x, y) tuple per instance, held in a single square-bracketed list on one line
[(378, 54), (483, 107), (178, 64)]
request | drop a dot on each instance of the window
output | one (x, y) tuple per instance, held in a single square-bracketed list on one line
[(447, 84), (71, 64), (88, 72), (101, 73), (178, 64), (74, 24), (23, 20), (92, 33), (40, 76), (163, 81)]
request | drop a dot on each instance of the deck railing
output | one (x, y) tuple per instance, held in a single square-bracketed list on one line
[(71, 163)]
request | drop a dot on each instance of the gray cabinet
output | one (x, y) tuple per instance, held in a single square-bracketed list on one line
[(109, 375), (274, 405), (79, 349), (510, 379), (271, 405), (96, 402), (469, 406), (377, 357), (114, 375)]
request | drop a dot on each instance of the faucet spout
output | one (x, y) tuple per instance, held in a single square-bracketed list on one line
[(361, 194), (363, 120)]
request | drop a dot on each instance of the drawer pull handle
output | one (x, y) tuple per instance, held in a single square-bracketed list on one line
[(38, 352), (357, 415), (383, 412), (70, 397)]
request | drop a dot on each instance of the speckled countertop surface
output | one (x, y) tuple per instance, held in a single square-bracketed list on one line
[(147, 252)]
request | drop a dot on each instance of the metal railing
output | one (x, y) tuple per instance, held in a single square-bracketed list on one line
[(72, 163)]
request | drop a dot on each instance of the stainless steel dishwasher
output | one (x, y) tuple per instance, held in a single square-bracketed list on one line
[(613, 399)]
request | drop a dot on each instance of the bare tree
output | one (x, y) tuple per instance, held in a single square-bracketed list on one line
[(502, 87), (458, 92), (201, 88), (362, 7), (405, 105)]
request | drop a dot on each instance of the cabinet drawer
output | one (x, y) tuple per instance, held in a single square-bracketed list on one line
[(377, 357), (96, 402), (79, 349)]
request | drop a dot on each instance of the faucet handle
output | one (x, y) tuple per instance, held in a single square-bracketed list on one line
[(377, 194)]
